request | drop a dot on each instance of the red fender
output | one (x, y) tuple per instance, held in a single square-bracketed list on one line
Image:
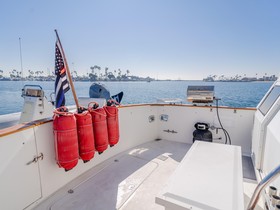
[(100, 131), (66, 139), (112, 124), (85, 135)]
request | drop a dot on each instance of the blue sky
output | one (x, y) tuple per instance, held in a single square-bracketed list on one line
[(176, 39)]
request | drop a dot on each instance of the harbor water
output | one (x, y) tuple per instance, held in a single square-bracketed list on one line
[(233, 94)]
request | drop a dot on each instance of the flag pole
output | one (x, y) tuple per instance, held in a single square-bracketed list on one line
[(68, 73)]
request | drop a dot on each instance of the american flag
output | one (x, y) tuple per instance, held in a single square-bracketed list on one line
[(61, 83)]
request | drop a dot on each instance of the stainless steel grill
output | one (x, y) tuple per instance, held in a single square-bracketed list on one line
[(200, 94)]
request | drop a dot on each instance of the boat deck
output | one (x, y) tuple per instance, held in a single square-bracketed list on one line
[(131, 180)]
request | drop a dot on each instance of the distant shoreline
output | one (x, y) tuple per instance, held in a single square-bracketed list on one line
[(167, 80), (238, 78)]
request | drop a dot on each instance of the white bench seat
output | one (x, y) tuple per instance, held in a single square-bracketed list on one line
[(209, 177)]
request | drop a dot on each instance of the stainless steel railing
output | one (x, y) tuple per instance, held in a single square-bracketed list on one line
[(263, 183)]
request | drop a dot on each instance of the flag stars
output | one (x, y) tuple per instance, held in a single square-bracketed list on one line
[(61, 83)]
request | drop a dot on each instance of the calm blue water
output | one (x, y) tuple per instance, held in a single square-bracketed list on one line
[(234, 94)]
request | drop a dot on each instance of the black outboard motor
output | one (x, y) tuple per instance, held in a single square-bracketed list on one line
[(97, 90), (202, 133)]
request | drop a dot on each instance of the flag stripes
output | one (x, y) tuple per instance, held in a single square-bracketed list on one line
[(61, 82)]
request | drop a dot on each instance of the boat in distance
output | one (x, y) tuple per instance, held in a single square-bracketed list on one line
[(169, 156)]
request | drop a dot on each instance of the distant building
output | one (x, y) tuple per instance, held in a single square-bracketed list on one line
[(239, 79), (208, 79)]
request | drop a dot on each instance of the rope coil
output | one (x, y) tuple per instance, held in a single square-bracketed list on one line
[(94, 108), (62, 111), (108, 113)]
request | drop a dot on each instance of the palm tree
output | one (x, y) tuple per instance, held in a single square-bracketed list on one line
[(92, 69), (15, 74), (111, 76), (119, 73), (37, 73), (30, 73), (74, 73), (93, 75), (95, 67), (214, 77), (106, 72)]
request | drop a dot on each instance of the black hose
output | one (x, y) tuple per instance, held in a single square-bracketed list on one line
[(228, 136), (218, 116)]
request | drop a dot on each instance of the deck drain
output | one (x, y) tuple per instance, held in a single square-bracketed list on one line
[(70, 191), (162, 157)]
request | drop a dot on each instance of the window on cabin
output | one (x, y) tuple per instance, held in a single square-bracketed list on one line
[(269, 100)]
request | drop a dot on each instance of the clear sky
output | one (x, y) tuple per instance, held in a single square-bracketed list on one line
[(186, 39)]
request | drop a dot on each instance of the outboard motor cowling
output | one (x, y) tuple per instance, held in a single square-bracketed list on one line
[(97, 90)]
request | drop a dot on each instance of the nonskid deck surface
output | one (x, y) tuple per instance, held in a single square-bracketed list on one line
[(248, 168), (130, 180)]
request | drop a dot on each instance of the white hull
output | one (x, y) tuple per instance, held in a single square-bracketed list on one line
[(20, 144)]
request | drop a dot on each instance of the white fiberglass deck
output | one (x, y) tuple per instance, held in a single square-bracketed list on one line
[(130, 180)]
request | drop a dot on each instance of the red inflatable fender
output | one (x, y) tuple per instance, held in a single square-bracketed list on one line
[(85, 135), (112, 124), (66, 139), (100, 131)]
